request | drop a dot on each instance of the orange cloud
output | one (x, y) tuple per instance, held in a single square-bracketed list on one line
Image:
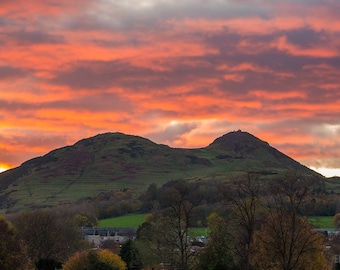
[(326, 51), (177, 73), (261, 94)]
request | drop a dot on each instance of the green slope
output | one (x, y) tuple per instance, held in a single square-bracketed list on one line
[(113, 161)]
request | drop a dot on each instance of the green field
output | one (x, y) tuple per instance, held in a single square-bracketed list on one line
[(322, 221), (134, 220), (128, 221), (198, 232)]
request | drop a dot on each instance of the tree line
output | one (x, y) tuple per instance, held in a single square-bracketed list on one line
[(44, 240), (259, 224), (253, 223)]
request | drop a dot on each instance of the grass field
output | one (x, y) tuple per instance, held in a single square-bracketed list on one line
[(133, 221), (198, 232), (128, 221), (322, 221)]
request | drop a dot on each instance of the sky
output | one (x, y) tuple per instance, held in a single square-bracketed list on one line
[(180, 73)]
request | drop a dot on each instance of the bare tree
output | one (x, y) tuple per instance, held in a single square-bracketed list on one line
[(167, 234), (286, 240), (244, 194), (178, 222), (47, 236)]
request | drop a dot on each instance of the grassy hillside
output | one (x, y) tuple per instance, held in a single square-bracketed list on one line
[(114, 161), (333, 184)]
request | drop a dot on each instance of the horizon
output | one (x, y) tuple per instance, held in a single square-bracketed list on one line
[(326, 172), (177, 73)]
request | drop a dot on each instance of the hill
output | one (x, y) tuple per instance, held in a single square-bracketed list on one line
[(113, 161)]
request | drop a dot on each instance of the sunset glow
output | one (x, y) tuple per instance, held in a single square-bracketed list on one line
[(178, 73), (3, 168), (327, 172)]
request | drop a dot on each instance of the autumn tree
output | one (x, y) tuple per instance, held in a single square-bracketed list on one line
[(83, 213), (218, 254), (335, 248), (286, 240), (283, 245), (95, 260), (83, 219), (116, 203), (167, 233), (336, 220), (48, 238), (13, 253), (148, 198), (111, 245), (150, 239), (179, 204)]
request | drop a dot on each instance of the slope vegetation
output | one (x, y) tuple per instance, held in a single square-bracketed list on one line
[(113, 161)]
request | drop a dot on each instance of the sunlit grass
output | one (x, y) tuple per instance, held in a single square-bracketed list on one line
[(322, 221), (128, 221), (198, 232), (135, 220)]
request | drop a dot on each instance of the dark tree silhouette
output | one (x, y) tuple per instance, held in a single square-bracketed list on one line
[(13, 253), (131, 256)]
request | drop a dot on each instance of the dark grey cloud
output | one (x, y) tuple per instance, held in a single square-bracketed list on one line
[(14, 106), (306, 37), (9, 72), (98, 75), (102, 75), (3, 22), (24, 37), (98, 102)]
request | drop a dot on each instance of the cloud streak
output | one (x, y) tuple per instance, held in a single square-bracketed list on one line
[(177, 73)]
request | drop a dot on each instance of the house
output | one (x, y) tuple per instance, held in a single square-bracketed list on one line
[(97, 236)]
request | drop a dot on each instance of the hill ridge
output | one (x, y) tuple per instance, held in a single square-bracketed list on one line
[(115, 160)]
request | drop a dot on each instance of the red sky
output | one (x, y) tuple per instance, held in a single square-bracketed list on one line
[(180, 73)]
